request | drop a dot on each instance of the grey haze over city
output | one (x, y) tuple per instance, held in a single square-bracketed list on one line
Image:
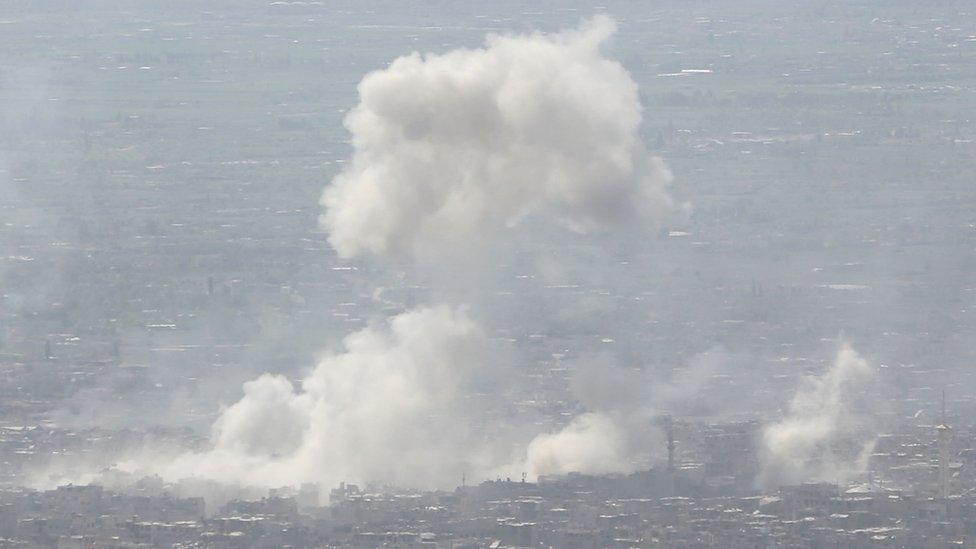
[(508, 274)]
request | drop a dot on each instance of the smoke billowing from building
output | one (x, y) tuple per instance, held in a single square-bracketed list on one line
[(821, 437), (451, 147)]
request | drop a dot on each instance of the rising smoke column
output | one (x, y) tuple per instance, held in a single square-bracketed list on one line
[(447, 149), (821, 437), (454, 146)]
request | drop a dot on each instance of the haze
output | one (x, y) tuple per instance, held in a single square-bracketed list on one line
[(485, 274)]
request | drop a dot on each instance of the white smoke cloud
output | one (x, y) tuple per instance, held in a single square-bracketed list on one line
[(621, 430), (450, 147), (386, 409), (593, 443), (822, 436)]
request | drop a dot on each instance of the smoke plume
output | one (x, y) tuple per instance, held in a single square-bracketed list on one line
[(620, 430), (386, 409), (821, 438), (593, 443), (447, 149), (452, 147)]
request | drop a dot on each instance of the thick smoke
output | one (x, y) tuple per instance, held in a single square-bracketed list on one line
[(619, 432), (822, 437), (452, 147), (449, 148), (612, 436), (386, 409), (593, 442)]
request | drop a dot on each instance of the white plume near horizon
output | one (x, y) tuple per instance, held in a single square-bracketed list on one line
[(452, 147), (821, 437), (593, 443), (618, 432), (384, 409)]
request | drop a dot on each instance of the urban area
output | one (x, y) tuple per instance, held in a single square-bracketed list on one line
[(161, 167)]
